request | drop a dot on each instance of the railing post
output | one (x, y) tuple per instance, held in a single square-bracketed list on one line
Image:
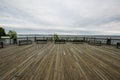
[(19, 43), (10, 41), (35, 38), (94, 41), (108, 41), (84, 39), (27, 40), (1, 43), (118, 44)]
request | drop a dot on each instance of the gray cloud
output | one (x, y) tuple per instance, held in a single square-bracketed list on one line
[(76, 16)]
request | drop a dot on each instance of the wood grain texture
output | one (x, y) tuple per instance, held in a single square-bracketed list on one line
[(59, 62)]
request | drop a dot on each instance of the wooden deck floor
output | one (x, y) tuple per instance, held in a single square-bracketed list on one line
[(59, 62)]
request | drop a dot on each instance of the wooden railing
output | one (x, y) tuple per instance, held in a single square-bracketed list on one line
[(77, 41), (41, 41), (24, 42), (91, 42), (73, 39)]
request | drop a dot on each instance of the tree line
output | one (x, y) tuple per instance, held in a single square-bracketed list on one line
[(11, 33)]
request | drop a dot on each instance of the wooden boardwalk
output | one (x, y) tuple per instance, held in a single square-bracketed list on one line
[(59, 62)]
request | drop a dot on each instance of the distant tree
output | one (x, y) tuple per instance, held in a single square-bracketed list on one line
[(2, 32), (56, 37), (13, 35)]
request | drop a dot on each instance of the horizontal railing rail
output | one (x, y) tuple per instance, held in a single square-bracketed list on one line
[(24, 42)]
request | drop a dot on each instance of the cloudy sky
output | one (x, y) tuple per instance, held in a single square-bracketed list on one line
[(61, 16)]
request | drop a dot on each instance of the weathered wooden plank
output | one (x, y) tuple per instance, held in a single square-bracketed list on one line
[(59, 62)]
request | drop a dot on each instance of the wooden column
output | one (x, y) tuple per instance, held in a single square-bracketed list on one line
[(108, 41)]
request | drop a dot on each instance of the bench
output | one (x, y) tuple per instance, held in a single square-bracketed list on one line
[(92, 42), (77, 41), (24, 42), (1, 45), (118, 45), (41, 41), (59, 41)]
